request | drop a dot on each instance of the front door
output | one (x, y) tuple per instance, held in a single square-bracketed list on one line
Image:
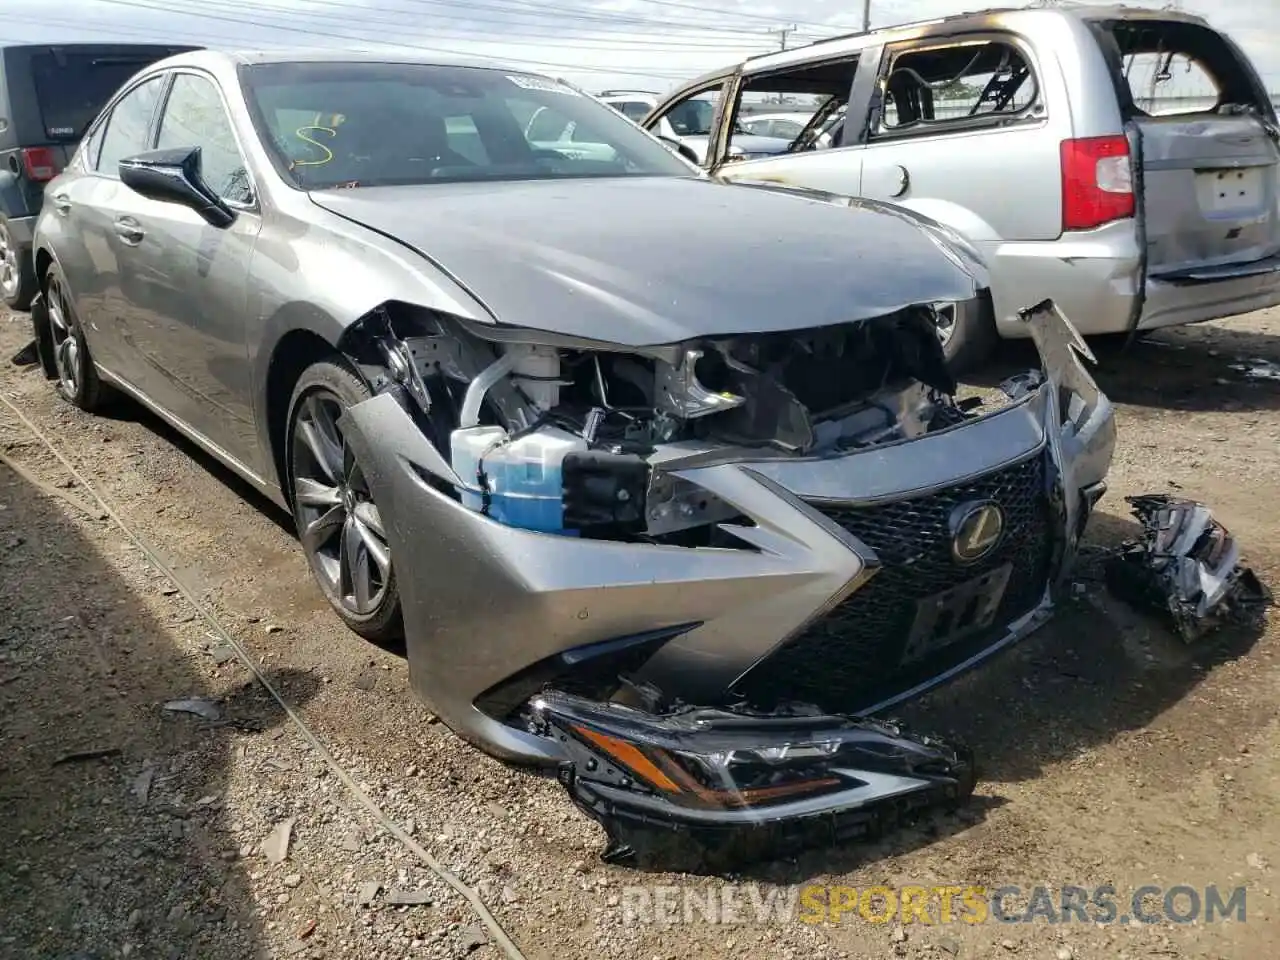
[(822, 157), (188, 282)]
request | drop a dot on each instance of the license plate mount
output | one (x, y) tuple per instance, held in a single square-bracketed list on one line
[(950, 616), (1231, 191)]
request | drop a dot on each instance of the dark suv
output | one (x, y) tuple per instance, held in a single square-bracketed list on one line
[(49, 94)]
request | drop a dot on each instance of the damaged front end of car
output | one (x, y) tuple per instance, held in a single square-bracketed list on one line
[(733, 525)]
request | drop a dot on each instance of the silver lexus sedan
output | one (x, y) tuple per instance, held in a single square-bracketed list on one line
[(600, 437)]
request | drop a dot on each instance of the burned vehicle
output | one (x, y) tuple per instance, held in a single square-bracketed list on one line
[(702, 453)]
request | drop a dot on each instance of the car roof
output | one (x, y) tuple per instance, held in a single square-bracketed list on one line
[(992, 17), (232, 58)]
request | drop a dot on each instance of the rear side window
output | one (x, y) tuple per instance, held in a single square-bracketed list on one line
[(977, 82), (73, 88), (128, 126)]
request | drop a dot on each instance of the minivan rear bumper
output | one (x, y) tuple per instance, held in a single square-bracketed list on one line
[(1094, 275), (1211, 294)]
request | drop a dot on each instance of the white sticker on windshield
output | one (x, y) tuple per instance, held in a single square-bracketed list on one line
[(542, 83)]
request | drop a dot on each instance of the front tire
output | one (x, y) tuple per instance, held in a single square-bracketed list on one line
[(338, 523), (967, 330), (77, 378)]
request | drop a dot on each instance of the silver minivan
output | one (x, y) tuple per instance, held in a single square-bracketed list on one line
[(1122, 162)]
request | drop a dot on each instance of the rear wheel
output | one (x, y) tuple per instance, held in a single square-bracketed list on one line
[(17, 276), (78, 380), (338, 522)]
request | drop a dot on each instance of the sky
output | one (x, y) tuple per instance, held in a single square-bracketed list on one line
[(637, 44)]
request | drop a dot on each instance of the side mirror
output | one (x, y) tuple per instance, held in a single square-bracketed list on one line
[(173, 176), (683, 149)]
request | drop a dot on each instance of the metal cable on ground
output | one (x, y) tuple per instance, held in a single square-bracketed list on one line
[(491, 923)]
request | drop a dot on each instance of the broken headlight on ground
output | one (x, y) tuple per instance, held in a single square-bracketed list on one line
[(1187, 567), (694, 788)]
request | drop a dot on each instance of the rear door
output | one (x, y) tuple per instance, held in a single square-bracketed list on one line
[(1210, 157)]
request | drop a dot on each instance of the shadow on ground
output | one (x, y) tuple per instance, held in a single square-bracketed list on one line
[(127, 411), (1100, 668), (1185, 368), (1097, 671), (111, 816)]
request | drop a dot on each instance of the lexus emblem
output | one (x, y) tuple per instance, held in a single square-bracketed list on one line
[(976, 528)]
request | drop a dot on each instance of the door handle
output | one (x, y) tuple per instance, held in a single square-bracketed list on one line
[(129, 230), (62, 204)]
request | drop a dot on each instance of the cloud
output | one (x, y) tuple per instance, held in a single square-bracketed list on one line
[(648, 43)]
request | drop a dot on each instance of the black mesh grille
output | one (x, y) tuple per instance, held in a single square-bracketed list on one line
[(856, 654)]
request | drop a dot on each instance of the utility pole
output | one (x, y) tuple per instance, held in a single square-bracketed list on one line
[(866, 16), (783, 33)]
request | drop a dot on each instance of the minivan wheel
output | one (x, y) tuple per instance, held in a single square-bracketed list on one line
[(338, 522), (77, 377), (17, 277), (967, 333)]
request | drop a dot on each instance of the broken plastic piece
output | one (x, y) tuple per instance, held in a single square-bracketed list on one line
[(694, 788), (1187, 566), (206, 709)]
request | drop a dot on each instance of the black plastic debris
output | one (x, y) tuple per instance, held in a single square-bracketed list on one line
[(28, 356), (1186, 566), (709, 789)]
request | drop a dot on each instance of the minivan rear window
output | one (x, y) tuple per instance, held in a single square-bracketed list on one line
[(74, 87)]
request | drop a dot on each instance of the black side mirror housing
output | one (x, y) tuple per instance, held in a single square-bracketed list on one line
[(173, 176), (683, 149)]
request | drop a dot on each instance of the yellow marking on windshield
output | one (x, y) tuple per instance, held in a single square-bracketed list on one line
[(301, 135)]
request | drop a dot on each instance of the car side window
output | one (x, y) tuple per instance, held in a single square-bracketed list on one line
[(962, 84), (694, 116), (194, 116), (128, 126)]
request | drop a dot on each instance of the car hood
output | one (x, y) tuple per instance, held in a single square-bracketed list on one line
[(643, 261)]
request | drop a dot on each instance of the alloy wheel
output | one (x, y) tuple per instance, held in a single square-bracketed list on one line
[(66, 339), (946, 323), (10, 271), (340, 526)]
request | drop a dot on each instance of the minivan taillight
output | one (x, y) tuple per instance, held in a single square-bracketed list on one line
[(1097, 182), (39, 163)]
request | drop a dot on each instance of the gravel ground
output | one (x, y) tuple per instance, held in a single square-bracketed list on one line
[(1111, 752)]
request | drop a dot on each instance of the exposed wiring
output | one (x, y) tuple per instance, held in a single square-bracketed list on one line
[(500, 937)]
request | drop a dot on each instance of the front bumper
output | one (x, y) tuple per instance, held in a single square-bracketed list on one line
[(494, 614)]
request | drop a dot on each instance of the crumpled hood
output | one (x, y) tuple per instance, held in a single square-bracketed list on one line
[(651, 260)]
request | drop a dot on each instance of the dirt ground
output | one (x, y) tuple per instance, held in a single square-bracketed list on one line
[(1111, 752)]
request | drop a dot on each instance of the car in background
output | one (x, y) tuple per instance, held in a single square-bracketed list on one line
[(562, 421), (49, 94), (690, 128), (1120, 161)]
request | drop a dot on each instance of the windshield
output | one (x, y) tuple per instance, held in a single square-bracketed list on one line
[(372, 124)]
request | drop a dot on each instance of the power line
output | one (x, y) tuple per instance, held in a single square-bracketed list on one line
[(204, 38), (557, 38), (538, 11)]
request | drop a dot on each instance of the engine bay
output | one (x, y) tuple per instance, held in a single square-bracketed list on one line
[(569, 438)]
